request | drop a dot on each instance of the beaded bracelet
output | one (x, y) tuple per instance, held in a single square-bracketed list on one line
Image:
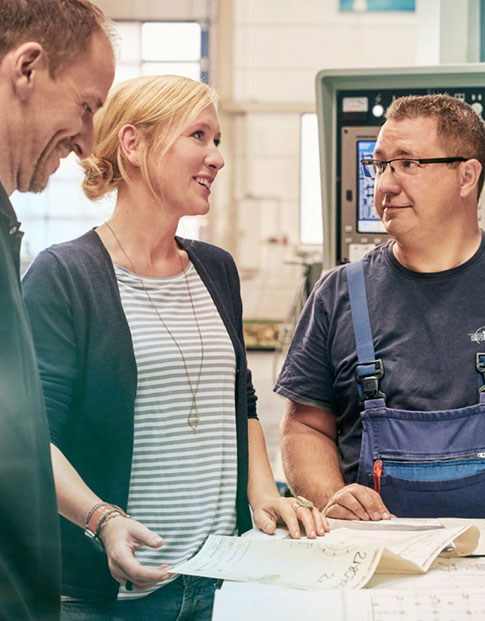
[(95, 522)]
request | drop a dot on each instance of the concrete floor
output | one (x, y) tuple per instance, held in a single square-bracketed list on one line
[(270, 405)]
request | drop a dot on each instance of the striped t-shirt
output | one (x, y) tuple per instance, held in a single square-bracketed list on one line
[(183, 482)]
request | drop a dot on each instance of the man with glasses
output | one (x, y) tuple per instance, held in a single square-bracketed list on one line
[(383, 376)]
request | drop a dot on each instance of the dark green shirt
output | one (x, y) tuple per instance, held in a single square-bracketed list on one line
[(29, 528)]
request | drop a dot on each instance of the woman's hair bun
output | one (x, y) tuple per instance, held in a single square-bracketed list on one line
[(99, 177)]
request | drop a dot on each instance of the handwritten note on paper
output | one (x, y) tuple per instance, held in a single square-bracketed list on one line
[(343, 559), (409, 552), (284, 562), (449, 573)]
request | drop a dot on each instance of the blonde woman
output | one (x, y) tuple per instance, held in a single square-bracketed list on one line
[(139, 338)]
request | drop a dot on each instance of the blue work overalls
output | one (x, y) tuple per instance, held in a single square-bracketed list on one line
[(424, 464)]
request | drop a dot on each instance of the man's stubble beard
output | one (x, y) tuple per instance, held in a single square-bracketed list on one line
[(39, 179)]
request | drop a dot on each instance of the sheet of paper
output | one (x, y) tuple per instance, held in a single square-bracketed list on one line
[(255, 533), (240, 601), (455, 522), (389, 605), (448, 573), (406, 551), (392, 524), (258, 602), (285, 562), (415, 524)]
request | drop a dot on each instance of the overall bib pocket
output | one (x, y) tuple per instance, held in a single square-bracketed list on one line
[(460, 497), (433, 470), (425, 464)]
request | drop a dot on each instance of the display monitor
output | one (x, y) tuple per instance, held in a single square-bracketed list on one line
[(367, 219)]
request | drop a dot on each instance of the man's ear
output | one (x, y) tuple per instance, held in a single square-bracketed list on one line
[(26, 62), (130, 139), (470, 174)]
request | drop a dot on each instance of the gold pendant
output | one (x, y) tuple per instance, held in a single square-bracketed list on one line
[(193, 417), (193, 422)]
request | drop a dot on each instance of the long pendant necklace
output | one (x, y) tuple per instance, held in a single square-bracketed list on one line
[(193, 416)]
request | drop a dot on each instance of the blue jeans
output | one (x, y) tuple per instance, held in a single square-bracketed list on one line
[(188, 598)]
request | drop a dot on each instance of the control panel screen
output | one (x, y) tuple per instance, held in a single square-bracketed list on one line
[(367, 219)]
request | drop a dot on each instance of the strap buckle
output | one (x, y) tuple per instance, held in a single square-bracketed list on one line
[(368, 375), (480, 367)]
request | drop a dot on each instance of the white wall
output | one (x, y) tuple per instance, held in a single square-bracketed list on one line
[(281, 44), (278, 48)]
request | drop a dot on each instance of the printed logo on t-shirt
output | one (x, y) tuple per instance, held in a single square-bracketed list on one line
[(478, 336)]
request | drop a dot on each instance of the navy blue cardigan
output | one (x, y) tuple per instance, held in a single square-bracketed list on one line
[(89, 377)]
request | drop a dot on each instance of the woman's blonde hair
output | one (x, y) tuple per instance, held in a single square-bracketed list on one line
[(159, 107)]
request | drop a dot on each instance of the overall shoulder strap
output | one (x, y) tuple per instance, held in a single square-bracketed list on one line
[(368, 370), (360, 311)]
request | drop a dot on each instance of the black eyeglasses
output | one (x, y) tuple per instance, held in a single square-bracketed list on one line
[(404, 165)]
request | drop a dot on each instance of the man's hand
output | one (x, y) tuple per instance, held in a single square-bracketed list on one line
[(121, 538), (356, 502)]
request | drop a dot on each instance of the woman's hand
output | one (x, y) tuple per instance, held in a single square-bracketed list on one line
[(121, 538), (272, 509)]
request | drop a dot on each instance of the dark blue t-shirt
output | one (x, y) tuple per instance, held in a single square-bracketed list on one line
[(427, 329)]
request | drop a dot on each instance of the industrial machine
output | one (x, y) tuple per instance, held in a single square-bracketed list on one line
[(351, 107)]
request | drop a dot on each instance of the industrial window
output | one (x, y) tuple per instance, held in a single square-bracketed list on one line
[(62, 211), (311, 231)]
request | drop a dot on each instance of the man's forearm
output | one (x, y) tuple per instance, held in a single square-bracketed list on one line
[(311, 464)]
